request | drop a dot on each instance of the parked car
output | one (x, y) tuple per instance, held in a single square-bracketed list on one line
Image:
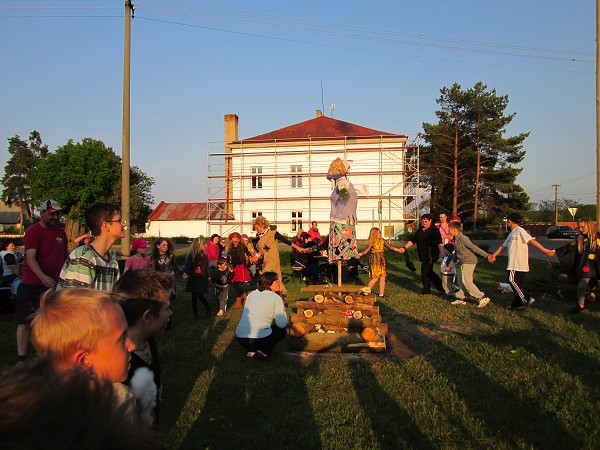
[(561, 232)]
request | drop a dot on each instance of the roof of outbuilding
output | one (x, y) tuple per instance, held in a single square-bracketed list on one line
[(189, 211), (320, 127), (10, 217)]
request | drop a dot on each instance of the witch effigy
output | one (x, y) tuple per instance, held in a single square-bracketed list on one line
[(342, 228)]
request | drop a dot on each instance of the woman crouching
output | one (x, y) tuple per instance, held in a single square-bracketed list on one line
[(263, 320)]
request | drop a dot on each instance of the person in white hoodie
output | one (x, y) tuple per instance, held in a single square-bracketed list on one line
[(263, 320)]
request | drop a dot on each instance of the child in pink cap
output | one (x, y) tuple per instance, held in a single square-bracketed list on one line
[(138, 259)]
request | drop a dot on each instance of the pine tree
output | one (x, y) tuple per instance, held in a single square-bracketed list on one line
[(18, 170), (467, 160)]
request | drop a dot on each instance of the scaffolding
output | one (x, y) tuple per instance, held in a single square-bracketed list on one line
[(385, 174)]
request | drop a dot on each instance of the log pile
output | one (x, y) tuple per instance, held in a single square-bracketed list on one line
[(337, 319)]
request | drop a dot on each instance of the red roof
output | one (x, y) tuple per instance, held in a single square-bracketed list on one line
[(320, 127), (189, 211)]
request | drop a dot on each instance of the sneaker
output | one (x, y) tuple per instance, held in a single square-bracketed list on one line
[(576, 309), (458, 302), (251, 354), (527, 304), (220, 313), (261, 354), (483, 302)]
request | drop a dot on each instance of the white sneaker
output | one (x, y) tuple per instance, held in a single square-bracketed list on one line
[(458, 302), (220, 313), (261, 354), (483, 302), (250, 354)]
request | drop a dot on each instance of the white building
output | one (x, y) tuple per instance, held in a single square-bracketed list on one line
[(282, 176)]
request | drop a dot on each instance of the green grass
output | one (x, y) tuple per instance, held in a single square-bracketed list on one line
[(489, 378)]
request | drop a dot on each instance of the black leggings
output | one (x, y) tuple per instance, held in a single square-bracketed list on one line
[(195, 298)]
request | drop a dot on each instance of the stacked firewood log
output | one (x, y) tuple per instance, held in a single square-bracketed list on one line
[(338, 320)]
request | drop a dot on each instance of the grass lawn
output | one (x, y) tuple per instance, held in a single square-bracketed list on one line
[(477, 378)]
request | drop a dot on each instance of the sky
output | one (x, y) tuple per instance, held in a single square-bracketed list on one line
[(382, 63)]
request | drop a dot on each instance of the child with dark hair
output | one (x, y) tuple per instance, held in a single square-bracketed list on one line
[(221, 279), (264, 319), (147, 310), (164, 260), (448, 271), (196, 268), (237, 256)]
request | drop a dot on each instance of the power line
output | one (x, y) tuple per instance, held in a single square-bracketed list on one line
[(192, 10)]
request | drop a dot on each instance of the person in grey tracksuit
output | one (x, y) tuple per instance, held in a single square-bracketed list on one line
[(466, 253)]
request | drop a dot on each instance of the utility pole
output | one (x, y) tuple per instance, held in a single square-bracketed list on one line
[(556, 186), (597, 111), (125, 159)]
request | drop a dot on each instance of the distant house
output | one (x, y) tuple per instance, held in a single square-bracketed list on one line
[(10, 216), (282, 175), (184, 219)]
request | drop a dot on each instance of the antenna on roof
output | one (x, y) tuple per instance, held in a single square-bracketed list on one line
[(331, 109), (322, 102)]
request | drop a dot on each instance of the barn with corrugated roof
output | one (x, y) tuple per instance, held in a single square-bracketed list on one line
[(186, 219)]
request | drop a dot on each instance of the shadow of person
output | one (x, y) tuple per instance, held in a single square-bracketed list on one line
[(255, 403), (392, 426)]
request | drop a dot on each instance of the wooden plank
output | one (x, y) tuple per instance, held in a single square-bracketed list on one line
[(319, 288), (346, 322), (341, 306), (336, 342)]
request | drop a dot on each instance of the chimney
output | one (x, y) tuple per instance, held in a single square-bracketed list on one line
[(319, 113), (230, 127)]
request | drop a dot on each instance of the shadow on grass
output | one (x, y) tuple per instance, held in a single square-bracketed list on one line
[(543, 342), (504, 412), (392, 426), (255, 403), (184, 356)]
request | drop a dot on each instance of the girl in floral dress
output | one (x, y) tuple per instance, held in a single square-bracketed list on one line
[(377, 263)]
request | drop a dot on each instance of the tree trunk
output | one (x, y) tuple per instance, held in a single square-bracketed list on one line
[(73, 229), (369, 308), (455, 178), (336, 342), (477, 177), (324, 319)]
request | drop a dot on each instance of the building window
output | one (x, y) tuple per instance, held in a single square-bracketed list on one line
[(255, 214), (256, 178), (296, 179), (296, 220)]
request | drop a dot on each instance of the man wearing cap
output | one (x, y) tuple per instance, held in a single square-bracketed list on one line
[(518, 260), (93, 266), (45, 252)]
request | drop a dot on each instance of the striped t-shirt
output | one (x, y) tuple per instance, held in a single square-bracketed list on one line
[(86, 268)]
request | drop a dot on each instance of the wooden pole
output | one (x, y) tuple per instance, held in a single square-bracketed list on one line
[(597, 112), (125, 159)]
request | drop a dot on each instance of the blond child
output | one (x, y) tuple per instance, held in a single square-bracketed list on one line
[(86, 328), (377, 262)]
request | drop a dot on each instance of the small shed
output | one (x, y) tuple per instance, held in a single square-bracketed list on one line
[(188, 219)]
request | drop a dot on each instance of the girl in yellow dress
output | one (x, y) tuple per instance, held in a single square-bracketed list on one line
[(377, 264)]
